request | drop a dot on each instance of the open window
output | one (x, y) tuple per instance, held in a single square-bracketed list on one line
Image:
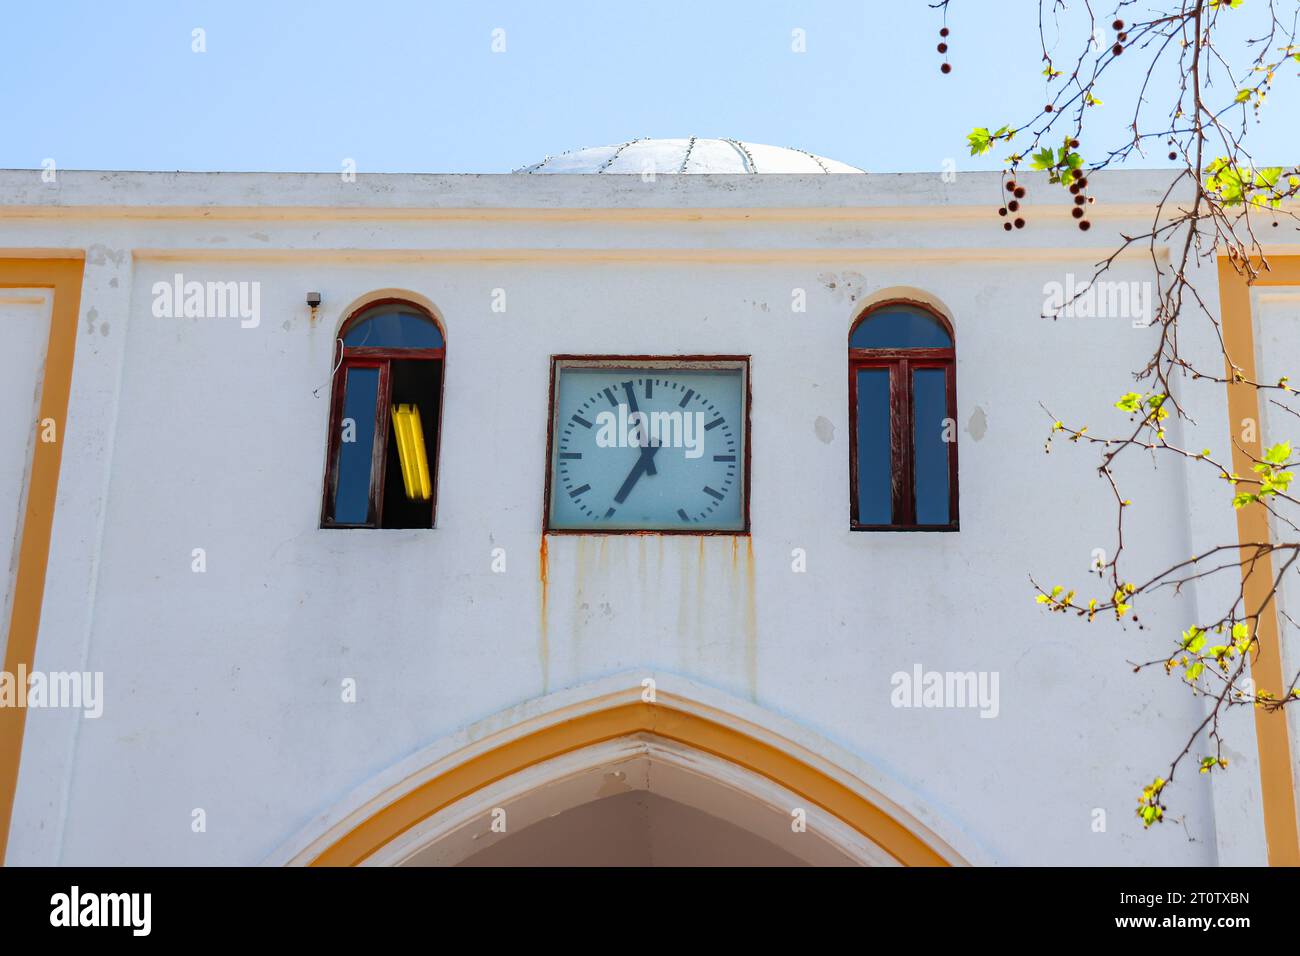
[(903, 420), (385, 411)]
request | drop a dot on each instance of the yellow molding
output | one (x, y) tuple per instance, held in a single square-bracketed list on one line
[(675, 254), (833, 796), (1277, 783), (63, 276)]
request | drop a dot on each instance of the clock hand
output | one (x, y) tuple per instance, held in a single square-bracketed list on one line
[(631, 404), (642, 465)]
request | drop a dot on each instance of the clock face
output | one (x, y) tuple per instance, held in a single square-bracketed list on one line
[(654, 445)]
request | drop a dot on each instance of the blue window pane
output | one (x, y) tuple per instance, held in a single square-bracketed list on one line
[(900, 327), (356, 447), (929, 450), (394, 326), (875, 481)]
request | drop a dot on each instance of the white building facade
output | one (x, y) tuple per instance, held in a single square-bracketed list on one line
[(488, 691)]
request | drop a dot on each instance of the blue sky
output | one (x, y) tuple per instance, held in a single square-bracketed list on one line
[(403, 86)]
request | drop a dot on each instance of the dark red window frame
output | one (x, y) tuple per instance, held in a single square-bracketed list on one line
[(380, 358), (900, 362)]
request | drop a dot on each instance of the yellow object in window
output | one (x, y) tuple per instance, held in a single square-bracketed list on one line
[(410, 450)]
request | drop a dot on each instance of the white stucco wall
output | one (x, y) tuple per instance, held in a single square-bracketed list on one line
[(223, 688)]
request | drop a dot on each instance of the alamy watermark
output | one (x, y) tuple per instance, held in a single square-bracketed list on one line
[(1102, 299), (80, 690), (675, 429), (179, 299), (130, 910), (946, 689)]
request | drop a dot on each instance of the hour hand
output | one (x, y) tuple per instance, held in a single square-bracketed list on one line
[(643, 464)]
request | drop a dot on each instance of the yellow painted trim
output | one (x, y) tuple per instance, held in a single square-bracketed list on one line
[(700, 255), (1277, 784), (63, 276), (755, 755)]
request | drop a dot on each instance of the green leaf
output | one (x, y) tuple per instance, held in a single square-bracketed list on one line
[(1278, 453), (1043, 159), (1267, 177)]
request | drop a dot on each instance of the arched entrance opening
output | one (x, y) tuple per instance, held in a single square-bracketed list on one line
[(640, 800)]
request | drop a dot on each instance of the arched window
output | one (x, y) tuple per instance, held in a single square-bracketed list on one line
[(385, 409), (903, 420)]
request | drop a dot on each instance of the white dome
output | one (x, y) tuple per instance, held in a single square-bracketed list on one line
[(693, 155)]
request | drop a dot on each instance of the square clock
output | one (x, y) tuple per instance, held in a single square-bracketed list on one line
[(640, 443)]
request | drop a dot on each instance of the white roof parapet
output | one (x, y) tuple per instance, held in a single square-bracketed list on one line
[(23, 194)]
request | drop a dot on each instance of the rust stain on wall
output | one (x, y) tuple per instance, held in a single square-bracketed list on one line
[(582, 604), (613, 606), (750, 622), (543, 641)]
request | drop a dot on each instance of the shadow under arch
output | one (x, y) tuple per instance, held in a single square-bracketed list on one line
[(526, 737)]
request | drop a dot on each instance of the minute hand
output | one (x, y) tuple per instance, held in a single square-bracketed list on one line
[(643, 463)]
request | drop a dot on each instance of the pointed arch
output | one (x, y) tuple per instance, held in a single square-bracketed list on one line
[(454, 770)]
